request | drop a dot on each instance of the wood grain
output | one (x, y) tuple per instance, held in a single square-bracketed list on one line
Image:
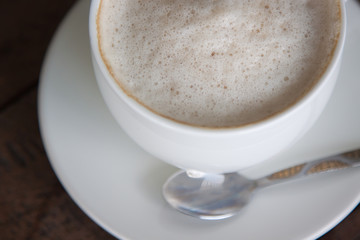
[(33, 204)]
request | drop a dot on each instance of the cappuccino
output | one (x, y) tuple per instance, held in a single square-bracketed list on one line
[(217, 63)]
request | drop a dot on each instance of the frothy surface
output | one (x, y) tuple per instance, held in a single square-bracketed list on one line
[(217, 63)]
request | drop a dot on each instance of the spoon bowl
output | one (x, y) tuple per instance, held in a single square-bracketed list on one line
[(208, 196)]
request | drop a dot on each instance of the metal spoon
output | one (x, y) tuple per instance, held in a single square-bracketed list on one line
[(219, 196)]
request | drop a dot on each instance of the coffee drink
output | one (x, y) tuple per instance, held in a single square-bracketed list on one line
[(218, 63)]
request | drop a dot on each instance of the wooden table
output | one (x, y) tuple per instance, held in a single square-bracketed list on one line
[(33, 204)]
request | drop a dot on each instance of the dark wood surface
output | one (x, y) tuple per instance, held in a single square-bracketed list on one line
[(33, 204)]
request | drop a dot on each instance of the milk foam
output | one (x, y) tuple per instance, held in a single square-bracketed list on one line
[(217, 63)]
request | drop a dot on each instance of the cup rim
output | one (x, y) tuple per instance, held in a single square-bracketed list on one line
[(178, 126)]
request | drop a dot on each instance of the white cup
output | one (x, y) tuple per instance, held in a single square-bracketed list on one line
[(213, 150)]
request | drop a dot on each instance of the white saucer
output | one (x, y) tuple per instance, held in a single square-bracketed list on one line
[(119, 186)]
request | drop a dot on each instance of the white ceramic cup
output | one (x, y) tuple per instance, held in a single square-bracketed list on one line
[(213, 150)]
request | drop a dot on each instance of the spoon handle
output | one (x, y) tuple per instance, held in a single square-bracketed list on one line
[(328, 164)]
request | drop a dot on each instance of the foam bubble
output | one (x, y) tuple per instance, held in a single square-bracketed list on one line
[(217, 63)]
